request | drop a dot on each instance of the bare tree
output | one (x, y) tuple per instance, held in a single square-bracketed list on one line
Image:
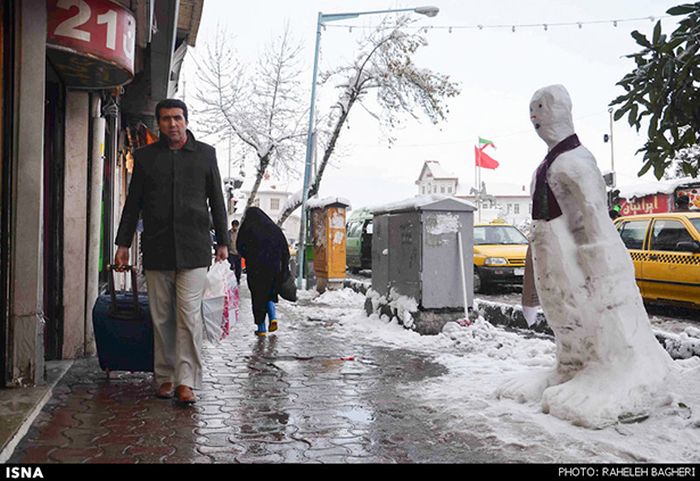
[(263, 110), (385, 66)]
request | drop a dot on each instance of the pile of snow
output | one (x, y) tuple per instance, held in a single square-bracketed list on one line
[(487, 340), (684, 345), (341, 297), (402, 306)]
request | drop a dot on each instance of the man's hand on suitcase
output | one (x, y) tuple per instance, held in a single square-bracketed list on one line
[(121, 258)]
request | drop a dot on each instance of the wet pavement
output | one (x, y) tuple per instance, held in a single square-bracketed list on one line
[(307, 394)]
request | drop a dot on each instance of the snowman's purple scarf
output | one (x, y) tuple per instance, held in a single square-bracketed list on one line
[(544, 204)]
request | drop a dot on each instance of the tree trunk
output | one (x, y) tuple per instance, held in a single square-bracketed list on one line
[(313, 188), (262, 167)]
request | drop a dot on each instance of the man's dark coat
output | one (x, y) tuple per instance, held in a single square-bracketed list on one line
[(170, 189)]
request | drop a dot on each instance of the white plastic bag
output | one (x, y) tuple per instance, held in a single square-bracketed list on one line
[(217, 278), (219, 300)]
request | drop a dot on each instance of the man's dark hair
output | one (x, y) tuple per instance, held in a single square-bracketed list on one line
[(171, 104), (234, 222)]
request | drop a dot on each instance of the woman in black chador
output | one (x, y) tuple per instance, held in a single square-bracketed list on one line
[(263, 246)]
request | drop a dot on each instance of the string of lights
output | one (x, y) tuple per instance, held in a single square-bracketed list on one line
[(513, 27)]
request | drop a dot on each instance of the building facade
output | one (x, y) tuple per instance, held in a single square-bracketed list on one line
[(79, 80), (433, 179), (271, 197), (507, 202)]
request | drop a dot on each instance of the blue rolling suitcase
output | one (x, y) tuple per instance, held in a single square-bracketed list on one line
[(123, 329)]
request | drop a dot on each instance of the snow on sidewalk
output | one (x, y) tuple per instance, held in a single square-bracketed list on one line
[(480, 357)]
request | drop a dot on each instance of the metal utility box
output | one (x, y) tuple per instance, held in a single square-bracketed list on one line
[(328, 233), (415, 251)]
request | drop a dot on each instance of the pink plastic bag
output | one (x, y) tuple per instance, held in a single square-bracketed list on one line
[(220, 302)]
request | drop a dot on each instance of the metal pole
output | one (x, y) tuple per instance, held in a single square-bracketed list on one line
[(309, 154), (428, 11), (481, 203), (612, 151), (461, 270), (229, 156)]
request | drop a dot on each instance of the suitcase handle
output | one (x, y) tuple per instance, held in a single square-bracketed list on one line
[(114, 311)]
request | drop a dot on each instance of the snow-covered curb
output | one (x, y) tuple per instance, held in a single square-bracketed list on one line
[(679, 346)]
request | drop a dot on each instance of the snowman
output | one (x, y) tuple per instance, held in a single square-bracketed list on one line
[(609, 365)]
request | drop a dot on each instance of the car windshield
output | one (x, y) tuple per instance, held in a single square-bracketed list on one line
[(696, 223), (502, 235)]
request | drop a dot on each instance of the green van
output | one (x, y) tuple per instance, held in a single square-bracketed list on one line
[(359, 240)]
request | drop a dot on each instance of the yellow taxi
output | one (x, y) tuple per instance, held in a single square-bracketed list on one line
[(499, 255), (665, 251)]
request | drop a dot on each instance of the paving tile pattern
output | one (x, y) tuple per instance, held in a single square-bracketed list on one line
[(292, 397)]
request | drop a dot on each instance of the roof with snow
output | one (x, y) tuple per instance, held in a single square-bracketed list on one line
[(643, 189), (327, 202), (436, 171), (426, 202)]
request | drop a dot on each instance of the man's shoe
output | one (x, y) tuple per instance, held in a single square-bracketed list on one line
[(273, 325), (165, 391), (185, 395), (261, 331)]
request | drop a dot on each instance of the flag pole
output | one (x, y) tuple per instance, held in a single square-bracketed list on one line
[(476, 187), (478, 179)]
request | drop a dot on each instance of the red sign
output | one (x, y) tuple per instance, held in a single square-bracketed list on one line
[(650, 204), (91, 42)]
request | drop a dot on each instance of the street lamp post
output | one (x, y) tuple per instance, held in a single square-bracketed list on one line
[(322, 19)]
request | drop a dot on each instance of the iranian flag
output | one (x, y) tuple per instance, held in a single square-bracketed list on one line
[(481, 158), (483, 143)]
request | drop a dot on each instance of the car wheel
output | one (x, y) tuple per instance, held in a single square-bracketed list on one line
[(478, 285)]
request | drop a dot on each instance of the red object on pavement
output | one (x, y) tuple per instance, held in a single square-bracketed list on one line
[(349, 358)]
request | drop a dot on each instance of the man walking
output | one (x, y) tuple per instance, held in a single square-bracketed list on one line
[(172, 181), (234, 257)]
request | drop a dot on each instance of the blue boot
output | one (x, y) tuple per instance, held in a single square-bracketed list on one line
[(272, 316), (261, 331)]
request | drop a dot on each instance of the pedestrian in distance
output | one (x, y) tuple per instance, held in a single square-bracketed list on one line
[(266, 252), (234, 258), (683, 203), (174, 186)]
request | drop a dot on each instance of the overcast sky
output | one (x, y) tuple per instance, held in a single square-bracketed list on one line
[(498, 71)]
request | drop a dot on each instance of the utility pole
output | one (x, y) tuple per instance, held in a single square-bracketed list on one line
[(612, 150)]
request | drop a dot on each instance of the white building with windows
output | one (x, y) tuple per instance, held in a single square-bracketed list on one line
[(434, 179), (271, 198), (509, 202)]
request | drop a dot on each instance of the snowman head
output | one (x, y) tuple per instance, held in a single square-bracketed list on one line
[(550, 114)]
